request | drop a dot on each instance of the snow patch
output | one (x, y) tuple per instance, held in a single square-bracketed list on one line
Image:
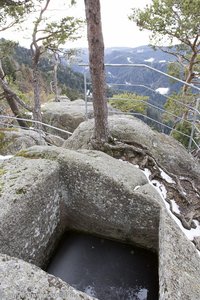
[(140, 50), (175, 207), (151, 59), (28, 113), (162, 90), (4, 157), (166, 177), (129, 60), (162, 61), (142, 294), (190, 234), (128, 83)]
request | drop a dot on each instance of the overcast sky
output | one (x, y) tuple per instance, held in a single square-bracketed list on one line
[(118, 31)]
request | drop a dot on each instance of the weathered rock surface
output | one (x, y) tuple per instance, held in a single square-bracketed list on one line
[(47, 190), (67, 115), (179, 263), (102, 195), (21, 280), (29, 208), (152, 150), (166, 150), (107, 197), (13, 140)]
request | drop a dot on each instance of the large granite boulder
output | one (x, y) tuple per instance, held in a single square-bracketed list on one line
[(165, 149), (155, 151), (47, 190), (21, 280), (67, 115), (179, 262), (14, 139), (120, 201), (98, 193), (29, 208)]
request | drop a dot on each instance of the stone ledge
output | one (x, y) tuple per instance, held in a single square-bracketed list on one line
[(21, 280)]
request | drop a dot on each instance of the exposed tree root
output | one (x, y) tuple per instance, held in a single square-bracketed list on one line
[(187, 197)]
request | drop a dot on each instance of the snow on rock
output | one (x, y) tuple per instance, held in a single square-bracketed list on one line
[(128, 83), (3, 157), (129, 60), (175, 207), (28, 113), (162, 90), (166, 176), (151, 59), (140, 50), (190, 234)]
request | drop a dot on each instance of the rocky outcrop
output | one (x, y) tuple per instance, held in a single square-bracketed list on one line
[(166, 150), (67, 115), (13, 140), (97, 193), (141, 145), (178, 263), (107, 197), (21, 280), (46, 190), (29, 208)]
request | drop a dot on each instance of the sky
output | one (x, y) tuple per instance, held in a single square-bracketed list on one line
[(118, 30)]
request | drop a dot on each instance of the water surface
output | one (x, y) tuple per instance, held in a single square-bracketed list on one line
[(106, 269)]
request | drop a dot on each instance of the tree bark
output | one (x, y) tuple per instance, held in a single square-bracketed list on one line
[(55, 77), (37, 116), (96, 60), (12, 99), (36, 53)]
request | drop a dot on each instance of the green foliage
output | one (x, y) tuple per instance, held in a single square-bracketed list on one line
[(174, 69), (19, 74), (58, 33), (182, 127), (127, 102), (174, 21), (169, 18), (183, 134), (175, 105), (72, 94), (13, 12)]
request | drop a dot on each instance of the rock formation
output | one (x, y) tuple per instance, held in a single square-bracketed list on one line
[(13, 140), (45, 191), (21, 280), (139, 144), (67, 115)]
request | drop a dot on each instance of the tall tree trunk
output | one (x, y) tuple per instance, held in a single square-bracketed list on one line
[(55, 76), (37, 116), (14, 107), (96, 60), (11, 97)]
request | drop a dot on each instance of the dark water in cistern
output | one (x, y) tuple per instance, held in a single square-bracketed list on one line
[(106, 269)]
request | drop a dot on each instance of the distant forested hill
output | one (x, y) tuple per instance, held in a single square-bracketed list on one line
[(70, 82), (137, 76)]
